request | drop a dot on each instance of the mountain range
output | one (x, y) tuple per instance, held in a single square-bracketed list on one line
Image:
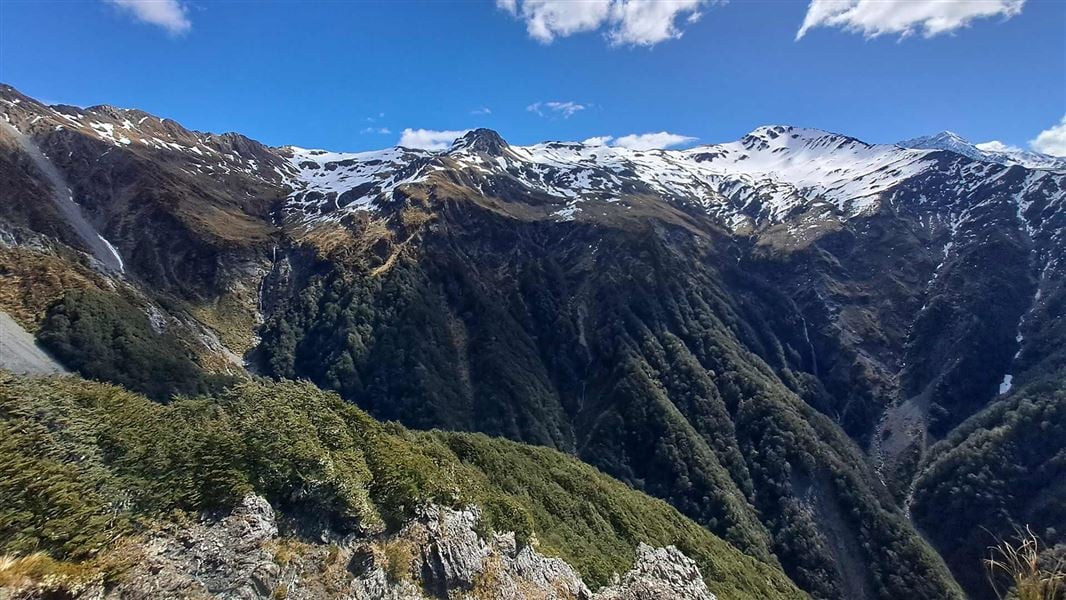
[(843, 360), (996, 152)]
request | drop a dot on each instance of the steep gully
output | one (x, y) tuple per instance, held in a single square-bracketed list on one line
[(98, 246)]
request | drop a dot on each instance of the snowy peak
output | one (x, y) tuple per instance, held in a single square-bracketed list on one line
[(773, 172), (324, 181), (995, 152), (779, 138), (483, 141), (945, 140)]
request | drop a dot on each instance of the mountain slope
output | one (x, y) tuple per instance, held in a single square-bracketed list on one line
[(329, 468), (767, 333), (621, 346)]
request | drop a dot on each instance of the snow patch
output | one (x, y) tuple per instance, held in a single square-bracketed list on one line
[(1005, 385)]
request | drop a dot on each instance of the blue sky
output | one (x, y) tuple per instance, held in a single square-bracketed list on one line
[(338, 74)]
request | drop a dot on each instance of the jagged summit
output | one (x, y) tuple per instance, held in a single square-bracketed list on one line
[(481, 140)]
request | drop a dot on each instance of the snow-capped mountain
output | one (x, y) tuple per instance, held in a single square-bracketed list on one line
[(996, 152), (601, 300), (774, 175), (762, 177)]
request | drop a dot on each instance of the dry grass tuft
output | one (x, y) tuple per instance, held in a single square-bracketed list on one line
[(19, 571), (1019, 564)]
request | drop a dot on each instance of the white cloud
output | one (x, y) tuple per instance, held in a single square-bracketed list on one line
[(168, 14), (599, 140), (648, 22), (1052, 140), (484, 110), (635, 22), (904, 17), (641, 141), (429, 139), (996, 146), (650, 141), (378, 130), (563, 109)]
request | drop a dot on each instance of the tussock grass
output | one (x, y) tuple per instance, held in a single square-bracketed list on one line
[(18, 571), (1016, 571)]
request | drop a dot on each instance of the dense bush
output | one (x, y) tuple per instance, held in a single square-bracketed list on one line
[(1000, 472), (105, 337), (83, 463)]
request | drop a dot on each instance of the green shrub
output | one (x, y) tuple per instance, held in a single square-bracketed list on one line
[(83, 463)]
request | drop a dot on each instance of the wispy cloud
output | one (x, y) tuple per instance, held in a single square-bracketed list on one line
[(168, 14), (484, 110), (642, 141), (624, 22), (903, 17), (429, 139), (1052, 140), (560, 109), (378, 130)]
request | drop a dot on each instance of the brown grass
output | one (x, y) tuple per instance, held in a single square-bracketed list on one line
[(288, 549), (38, 569), (338, 241), (1019, 564), (414, 218), (30, 281), (19, 571), (233, 317)]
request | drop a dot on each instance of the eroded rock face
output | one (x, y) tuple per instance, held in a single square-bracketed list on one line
[(227, 559), (438, 555), (455, 561), (659, 573)]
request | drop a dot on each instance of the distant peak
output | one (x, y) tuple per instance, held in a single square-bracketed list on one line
[(484, 141), (945, 140), (950, 135), (992, 151), (771, 131), (772, 136), (942, 138)]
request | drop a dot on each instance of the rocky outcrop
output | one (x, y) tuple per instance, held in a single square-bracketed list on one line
[(438, 555), (453, 561), (227, 558), (659, 573)]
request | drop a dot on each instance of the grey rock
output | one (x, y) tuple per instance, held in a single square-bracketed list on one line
[(224, 559), (437, 556), (659, 573)]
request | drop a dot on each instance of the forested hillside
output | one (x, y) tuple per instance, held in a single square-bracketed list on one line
[(84, 467)]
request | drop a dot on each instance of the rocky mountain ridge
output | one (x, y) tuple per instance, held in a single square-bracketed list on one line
[(440, 554), (996, 152), (770, 334)]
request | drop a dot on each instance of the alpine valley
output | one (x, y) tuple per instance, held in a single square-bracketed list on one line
[(793, 365)]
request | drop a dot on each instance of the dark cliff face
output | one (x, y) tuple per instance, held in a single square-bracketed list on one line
[(779, 382)]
